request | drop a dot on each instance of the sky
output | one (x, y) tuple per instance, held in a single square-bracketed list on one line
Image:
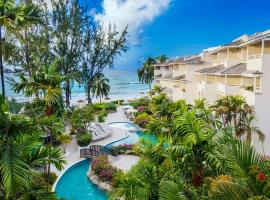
[(178, 27)]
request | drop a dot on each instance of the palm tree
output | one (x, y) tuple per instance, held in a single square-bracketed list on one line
[(14, 15), (101, 87), (162, 59), (21, 151), (146, 72), (246, 128), (46, 84)]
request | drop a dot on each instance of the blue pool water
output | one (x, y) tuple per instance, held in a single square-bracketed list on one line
[(75, 185), (133, 139), (125, 125)]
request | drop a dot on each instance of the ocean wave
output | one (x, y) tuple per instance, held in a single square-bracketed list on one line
[(124, 83)]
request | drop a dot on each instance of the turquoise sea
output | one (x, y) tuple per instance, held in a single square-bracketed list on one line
[(124, 85)]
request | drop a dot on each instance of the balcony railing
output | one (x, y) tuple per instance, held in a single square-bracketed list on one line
[(255, 56)]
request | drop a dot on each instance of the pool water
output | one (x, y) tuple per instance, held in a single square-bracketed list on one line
[(133, 139), (75, 185), (125, 125)]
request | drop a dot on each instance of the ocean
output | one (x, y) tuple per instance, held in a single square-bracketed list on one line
[(124, 85)]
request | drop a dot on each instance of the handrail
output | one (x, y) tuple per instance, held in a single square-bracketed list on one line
[(96, 150)]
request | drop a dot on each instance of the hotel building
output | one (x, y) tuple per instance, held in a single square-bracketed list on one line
[(241, 67)]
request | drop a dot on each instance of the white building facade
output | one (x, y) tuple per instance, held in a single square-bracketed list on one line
[(241, 67)]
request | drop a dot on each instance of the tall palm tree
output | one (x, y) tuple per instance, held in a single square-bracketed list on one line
[(146, 72), (13, 16), (101, 87)]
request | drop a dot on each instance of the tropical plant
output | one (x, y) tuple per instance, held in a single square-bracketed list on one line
[(247, 128), (15, 15), (69, 21), (84, 139), (100, 87), (64, 139), (46, 84), (101, 47), (162, 59), (81, 118), (146, 72), (21, 151)]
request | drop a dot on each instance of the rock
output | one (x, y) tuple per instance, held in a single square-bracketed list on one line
[(104, 186)]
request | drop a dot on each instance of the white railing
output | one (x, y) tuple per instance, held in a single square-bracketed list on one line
[(255, 56), (221, 88)]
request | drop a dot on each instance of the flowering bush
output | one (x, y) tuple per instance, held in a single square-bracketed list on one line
[(142, 109), (142, 119), (124, 148), (103, 169)]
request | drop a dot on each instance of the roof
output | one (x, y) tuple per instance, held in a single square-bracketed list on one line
[(180, 77), (234, 70), (195, 59), (211, 70), (166, 77), (239, 69)]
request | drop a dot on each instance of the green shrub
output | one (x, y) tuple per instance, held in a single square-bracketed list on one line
[(140, 102), (83, 139), (52, 177), (111, 107), (142, 119), (249, 88), (80, 118), (101, 118)]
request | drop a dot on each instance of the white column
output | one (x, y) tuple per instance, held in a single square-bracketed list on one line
[(254, 84), (262, 48), (225, 79), (247, 52), (228, 57), (241, 81)]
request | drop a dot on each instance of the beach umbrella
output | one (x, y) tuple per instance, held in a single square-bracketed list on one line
[(127, 107), (132, 110)]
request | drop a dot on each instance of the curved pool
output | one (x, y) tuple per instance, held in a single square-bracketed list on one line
[(75, 185)]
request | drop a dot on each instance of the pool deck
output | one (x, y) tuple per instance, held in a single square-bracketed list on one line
[(122, 162)]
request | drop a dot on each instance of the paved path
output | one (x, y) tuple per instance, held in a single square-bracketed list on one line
[(72, 151)]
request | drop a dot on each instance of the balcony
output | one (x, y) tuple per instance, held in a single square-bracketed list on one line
[(228, 90)]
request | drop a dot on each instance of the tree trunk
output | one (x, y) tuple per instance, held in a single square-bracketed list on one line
[(67, 93), (100, 99), (1, 64), (89, 100), (150, 89)]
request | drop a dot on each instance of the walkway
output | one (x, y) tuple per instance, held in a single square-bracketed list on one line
[(73, 155)]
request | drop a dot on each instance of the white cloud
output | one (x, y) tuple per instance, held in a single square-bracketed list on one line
[(134, 13)]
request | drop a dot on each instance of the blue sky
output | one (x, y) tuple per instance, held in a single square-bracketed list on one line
[(179, 27)]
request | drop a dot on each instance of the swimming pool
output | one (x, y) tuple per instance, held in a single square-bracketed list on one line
[(133, 138), (135, 134), (75, 185), (125, 125)]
